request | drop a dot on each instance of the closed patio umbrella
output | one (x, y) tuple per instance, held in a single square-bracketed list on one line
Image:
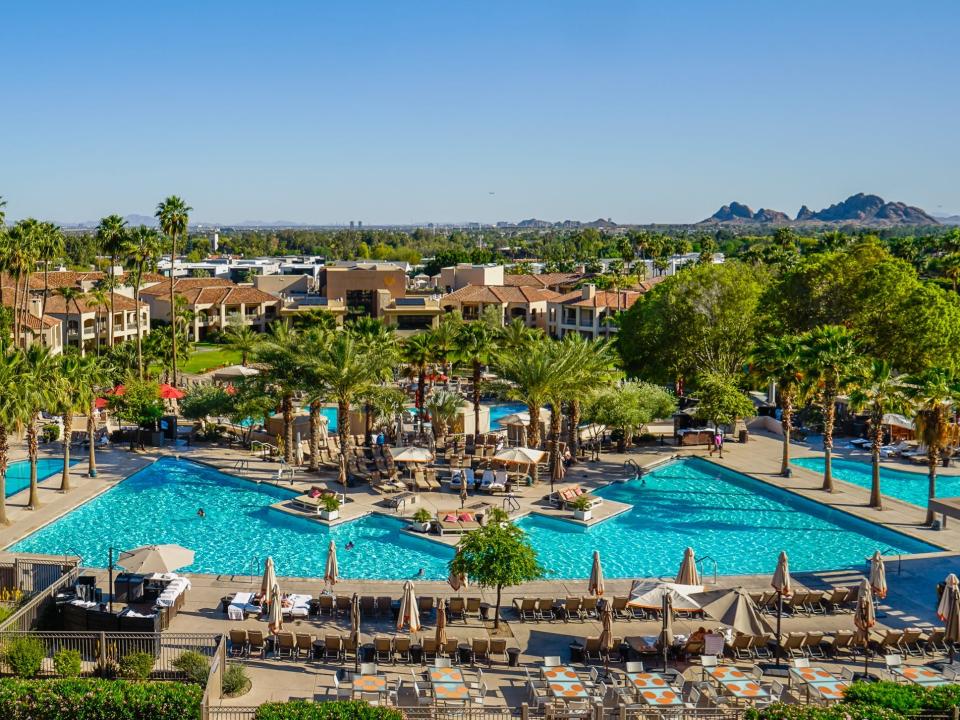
[(784, 586), (557, 471), (949, 612), (666, 632), (463, 493), (606, 635), (688, 575), (864, 619), (596, 576), (275, 618), (355, 627), (441, 636), (457, 581), (269, 580), (878, 576), (155, 559), (409, 612), (332, 573), (943, 608)]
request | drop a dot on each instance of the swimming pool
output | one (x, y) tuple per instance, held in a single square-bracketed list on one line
[(741, 522), (18, 473), (904, 485), (158, 505), (501, 410)]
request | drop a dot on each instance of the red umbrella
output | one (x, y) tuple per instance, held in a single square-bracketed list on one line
[(118, 390), (100, 403), (230, 389), (169, 392)]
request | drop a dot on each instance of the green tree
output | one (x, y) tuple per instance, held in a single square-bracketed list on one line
[(593, 367), (777, 359), (100, 298), (142, 251), (381, 345), (71, 294), (14, 413), (703, 319), (829, 355), (628, 408), (174, 216), (475, 346), (41, 386), (50, 248), (418, 352), (68, 401), (443, 407), (204, 402), (242, 339), (721, 401), (90, 377), (934, 393), (497, 555), (517, 336), (139, 404), (281, 351), (112, 236), (18, 258), (877, 390)]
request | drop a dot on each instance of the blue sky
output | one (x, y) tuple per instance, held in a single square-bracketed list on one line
[(395, 112)]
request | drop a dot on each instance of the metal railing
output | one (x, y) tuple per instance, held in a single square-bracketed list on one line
[(227, 712), (703, 560), (98, 647), (213, 691), (28, 616)]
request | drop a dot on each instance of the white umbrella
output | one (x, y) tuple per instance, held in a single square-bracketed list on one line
[(949, 612), (275, 618), (299, 450), (897, 421), (688, 575), (878, 576), (235, 371), (596, 576), (520, 456), (411, 454), (864, 618), (951, 583), (332, 573), (269, 581), (409, 612), (649, 594), (155, 559)]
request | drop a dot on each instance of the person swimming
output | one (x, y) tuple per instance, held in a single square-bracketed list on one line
[(201, 513), (421, 572), (349, 545)]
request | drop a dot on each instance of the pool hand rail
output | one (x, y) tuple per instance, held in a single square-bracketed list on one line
[(705, 558)]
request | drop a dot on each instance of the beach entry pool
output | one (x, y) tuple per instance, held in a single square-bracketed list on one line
[(904, 485), (741, 522), (18, 473)]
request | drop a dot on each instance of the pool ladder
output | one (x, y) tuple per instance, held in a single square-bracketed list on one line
[(704, 559), (511, 504), (891, 551)]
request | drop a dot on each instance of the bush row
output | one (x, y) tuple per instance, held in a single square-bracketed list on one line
[(339, 710), (871, 701), (94, 699)]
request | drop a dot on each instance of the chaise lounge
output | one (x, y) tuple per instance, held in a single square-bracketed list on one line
[(566, 497)]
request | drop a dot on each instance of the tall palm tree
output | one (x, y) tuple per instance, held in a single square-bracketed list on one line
[(878, 391), (242, 339), (443, 338), (112, 236), (476, 346), (418, 352), (313, 343), (281, 351), (593, 364), (516, 336), (349, 372), (72, 294), (934, 393), (41, 386), (829, 355), (13, 410), (71, 381), (92, 377), (443, 406), (50, 248), (18, 260), (382, 346), (778, 359), (101, 299), (174, 216), (142, 251)]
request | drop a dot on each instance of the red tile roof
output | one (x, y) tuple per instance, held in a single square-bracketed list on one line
[(500, 294)]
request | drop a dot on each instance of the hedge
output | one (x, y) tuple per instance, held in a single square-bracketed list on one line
[(866, 701), (832, 712), (337, 710), (94, 699)]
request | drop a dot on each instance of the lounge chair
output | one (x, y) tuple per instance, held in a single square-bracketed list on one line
[(241, 606), (472, 608), (498, 647), (811, 645), (457, 607), (343, 604), (934, 643), (792, 645), (591, 649), (429, 645), (588, 607), (384, 605), (887, 641), (286, 645), (565, 498), (332, 647), (239, 646), (910, 642), (620, 609), (383, 647), (740, 647), (526, 608), (425, 604), (325, 604), (451, 649), (256, 645), (545, 609), (401, 648), (841, 641), (572, 608), (480, 650), (304, 646), (368, 606)]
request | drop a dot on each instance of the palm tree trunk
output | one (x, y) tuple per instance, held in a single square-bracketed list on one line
[(367, 423), (314, 436), (67, 432), (533, 436), (343, 420), (4, 448), (173, 314), (91, 441), (288, 429), (421, 397), (16, 317), (113, 262), (476, 401), (46, 288), (876, 499), (555, 422), (573, 429), (933, 457), (829, 415), (33, 450), (787, 424), (136, 304), (496, 611)]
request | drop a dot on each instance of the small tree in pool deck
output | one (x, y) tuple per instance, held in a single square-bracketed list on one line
[(721, 401), (497, 555), (140, 404)]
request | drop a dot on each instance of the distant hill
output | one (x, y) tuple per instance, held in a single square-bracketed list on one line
[(859, 209), (948, 219)]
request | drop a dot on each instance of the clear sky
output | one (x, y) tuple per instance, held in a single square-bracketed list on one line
[(395, 112)]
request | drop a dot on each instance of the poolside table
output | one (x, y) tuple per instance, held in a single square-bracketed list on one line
[(654, 689), (921, 676), (819, 682), (736, 683), (564, 682), (369, 684), (448, 684)]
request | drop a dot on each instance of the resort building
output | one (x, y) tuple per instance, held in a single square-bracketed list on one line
[(458, 276), (529, 304), (558, 282), (589, 311), (412, 314), (216, 304), (85, 323), (356, 285), (34, 329)]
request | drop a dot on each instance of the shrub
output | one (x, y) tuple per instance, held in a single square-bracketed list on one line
[(902, 698), (51, 432), (582, 502), (337, 710), (194, 666), (330, 503), (942, 698), (235, 679), (67, 663), (833, 712), (422, 516), (137, 666), (25, 656), (86, 698)]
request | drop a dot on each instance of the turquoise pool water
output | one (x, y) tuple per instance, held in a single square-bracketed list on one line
[(159, 505), (741, 522), (18, 473), (501, 410), (905, 485), (330, 413)]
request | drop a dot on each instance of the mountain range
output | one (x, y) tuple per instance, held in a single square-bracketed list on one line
[(859, 209)]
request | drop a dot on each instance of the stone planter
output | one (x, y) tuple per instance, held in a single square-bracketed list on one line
[(329, 514), (582, 514)]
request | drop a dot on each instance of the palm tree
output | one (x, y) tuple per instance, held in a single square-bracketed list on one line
[(829, 355), (349, 372), (951, 268), (112, 236), (90, 377), (12, 413), (143, 251), (41, 387), (99, 299), (593, 364), (282, 352), (476, 345), (313, 343), (381, 345), (174, 216), (517, 336), (878, 391), (71, 387), (934, 393), (50, 247), (778, 359), (418, 353), (72, 294), (242, 339), (443, 338), (18, 260), (443, 407)]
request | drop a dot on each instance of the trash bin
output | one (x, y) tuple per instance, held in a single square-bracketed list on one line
[(367, 653), (416, 654), (513, 657), (576, 652), (485, 610), (743, 436), (465, 653)]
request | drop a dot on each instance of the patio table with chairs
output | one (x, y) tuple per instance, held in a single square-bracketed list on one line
[(653, 689), (737, 684), (565, 683), (818, 682), (448, 684), (928, 677)]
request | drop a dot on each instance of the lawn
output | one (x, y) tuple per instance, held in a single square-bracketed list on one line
[(207, 357)]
